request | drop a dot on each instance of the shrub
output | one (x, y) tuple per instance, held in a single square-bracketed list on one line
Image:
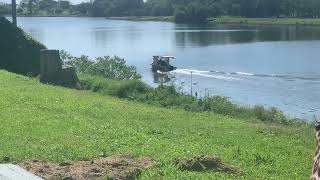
[(131, 89), (272, 114), (108, 67), (123, 89)]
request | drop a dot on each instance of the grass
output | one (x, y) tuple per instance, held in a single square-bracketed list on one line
[(265, 21), (57, 124), (144, 18)]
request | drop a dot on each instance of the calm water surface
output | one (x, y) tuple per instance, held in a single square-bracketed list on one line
[(274, 66)]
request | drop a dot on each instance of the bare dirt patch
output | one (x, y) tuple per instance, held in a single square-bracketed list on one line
[(113, 167), (205, 163)]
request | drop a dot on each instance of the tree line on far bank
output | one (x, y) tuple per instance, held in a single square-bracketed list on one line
[(199, 10), (5, 9), (183, 10)]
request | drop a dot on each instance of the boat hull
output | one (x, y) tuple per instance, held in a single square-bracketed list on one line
[(156, 68)]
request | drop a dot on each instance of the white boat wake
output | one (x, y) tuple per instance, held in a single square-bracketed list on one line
[(207, 74), (215, 74)]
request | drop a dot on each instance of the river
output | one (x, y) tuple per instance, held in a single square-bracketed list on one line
[(267, 65)]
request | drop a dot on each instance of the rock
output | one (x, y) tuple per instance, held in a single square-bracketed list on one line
[(69, 78), (50, 65), (52, 71)]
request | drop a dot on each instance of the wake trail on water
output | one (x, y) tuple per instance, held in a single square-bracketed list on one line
[(207, 74), (288, 77), (216, 74)]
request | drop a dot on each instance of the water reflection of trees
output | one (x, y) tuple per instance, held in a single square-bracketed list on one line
[(243, 34)]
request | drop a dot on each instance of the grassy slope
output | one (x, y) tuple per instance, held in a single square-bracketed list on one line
[(54, 123)]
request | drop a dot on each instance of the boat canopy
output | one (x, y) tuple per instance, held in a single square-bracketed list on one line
[(170, 57)]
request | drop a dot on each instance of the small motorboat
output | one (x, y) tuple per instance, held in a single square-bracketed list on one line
[(162, 64)]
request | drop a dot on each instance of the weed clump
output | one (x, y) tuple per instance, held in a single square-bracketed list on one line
[(205, 163)]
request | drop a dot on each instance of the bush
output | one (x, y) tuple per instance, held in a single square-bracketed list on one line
[(123, 89), (194, 12), (131, 89), (272, 114), (19, 53), (108, 67)]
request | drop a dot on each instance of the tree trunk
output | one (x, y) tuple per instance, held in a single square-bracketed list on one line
[(14, 12)]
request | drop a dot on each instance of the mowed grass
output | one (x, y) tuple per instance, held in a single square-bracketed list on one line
[(57, 124)]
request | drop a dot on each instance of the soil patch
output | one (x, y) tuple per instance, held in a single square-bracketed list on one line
[(205, 163), (113, 167)]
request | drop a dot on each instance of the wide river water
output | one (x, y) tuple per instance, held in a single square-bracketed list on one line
[(268, 65)]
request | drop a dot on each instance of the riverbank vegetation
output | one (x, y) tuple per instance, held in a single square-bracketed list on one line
[(49, 8), (264, 21), (199, 10), (59, 124), (230, 20), (170, 97), (103, 74)]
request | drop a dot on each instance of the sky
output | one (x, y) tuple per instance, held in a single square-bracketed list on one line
[(72, 1)]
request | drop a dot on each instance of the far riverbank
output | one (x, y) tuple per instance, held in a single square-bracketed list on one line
[(231, 20)]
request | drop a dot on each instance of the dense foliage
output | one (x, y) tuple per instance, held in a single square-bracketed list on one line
[(107, 67), (5, 9), (18, 51), (183, 10), (116, 7), (198, 11), (47, 8), (244, 8)]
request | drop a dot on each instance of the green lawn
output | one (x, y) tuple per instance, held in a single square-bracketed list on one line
[(53, 123)]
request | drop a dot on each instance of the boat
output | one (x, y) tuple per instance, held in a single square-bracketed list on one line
[(162, 64)]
